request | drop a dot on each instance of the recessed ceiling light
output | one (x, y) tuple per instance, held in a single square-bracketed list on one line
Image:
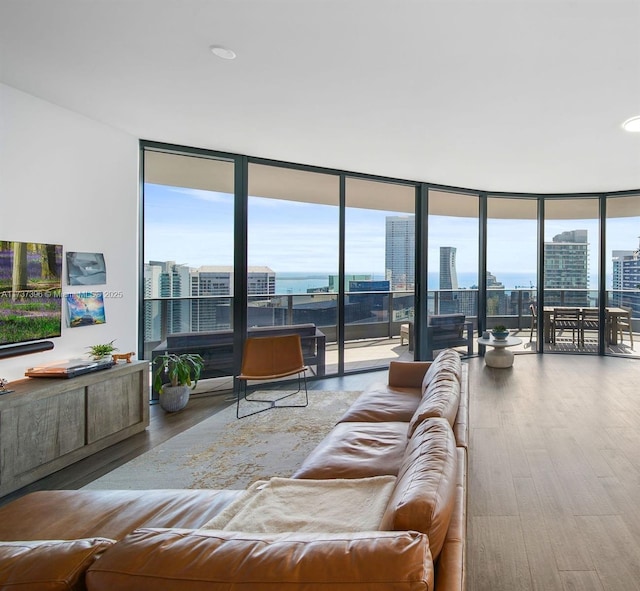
[(632, 124), (223, 52)]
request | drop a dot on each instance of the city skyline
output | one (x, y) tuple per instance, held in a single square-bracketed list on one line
[(302, 237)]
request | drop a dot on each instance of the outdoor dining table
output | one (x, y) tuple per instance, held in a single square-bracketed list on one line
[(612, 314)]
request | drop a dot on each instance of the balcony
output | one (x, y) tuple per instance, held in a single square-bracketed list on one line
[(373, 319)]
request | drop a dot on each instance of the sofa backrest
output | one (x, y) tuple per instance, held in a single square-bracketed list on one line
[(440, 399), (424, 496), (446, 364)]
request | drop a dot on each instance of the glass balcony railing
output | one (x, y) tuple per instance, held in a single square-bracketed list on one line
[(367, 315)]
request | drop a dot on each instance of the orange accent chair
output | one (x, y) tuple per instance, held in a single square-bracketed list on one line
[(271, 358)]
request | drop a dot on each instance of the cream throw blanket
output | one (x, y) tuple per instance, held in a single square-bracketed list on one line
[(301, 505)]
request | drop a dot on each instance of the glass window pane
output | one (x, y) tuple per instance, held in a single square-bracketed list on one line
[(453, 255), (380, 272), (188, 254), (292, 253), (512, 272), (572, 236), (623, 274)]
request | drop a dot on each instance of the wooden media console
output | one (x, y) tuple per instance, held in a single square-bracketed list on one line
[(49, 423)]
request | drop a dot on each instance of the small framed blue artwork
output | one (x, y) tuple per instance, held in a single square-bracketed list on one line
[(85, 308)]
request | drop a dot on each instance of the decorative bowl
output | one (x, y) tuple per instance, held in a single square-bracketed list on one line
[(500, 335)]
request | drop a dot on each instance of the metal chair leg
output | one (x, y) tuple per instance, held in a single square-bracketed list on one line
[(271, 403)]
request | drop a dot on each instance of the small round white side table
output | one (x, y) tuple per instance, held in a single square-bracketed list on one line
[(499, 356)]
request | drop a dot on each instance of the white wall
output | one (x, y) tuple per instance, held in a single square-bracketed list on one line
[(66, 179)]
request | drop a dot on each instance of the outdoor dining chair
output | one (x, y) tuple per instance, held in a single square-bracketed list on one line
[(590, 322), (565, 319), (624, 325)]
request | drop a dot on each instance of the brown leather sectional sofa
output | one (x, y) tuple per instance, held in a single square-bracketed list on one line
[(414, 428)]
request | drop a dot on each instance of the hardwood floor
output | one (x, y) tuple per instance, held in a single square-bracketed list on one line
[(554, 475), (554, 470)]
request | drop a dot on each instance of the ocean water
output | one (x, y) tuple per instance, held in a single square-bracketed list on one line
[(298, 283)]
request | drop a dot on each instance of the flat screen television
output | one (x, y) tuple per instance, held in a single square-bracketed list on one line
[(30, 291)]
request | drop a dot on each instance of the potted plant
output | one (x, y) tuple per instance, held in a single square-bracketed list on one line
[(102, 351), (174, 376), (500, 332)]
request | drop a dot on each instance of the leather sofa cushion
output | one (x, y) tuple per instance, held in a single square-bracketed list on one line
[(407, 374), (48, 565), (440, 399), (424, 497), (189, 560), (107, 513), (447, 362), (381, 403), (357, 450)]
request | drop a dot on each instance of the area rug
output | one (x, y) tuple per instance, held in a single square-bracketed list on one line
[(225, 452)]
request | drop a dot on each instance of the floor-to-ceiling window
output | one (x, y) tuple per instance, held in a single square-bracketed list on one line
[(234, 244), (571, 316), (379, 272), (453, 250), (511, 282), (292, 257), (188, 249), (622, 263)]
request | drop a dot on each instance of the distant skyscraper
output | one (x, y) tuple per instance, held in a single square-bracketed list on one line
[(492, 282), (165, 279), (400, 249), (626, 279), (618, 257), (186, 297), (448, 280), (448, 273), (217, 280), (566, 269)]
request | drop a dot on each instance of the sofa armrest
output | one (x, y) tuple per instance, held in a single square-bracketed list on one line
[(407, 374)]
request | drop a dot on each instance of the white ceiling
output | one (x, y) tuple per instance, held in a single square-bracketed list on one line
[(510, 95)]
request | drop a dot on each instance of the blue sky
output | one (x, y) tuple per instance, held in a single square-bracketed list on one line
[(300, 237)]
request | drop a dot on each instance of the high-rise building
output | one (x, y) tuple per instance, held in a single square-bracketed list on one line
[(165, 279), (215, 280), (566, 269), (448, 281), (400, 252), (448, 273), (209, 312), (626, 279), (617, 257), (190, 298)]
